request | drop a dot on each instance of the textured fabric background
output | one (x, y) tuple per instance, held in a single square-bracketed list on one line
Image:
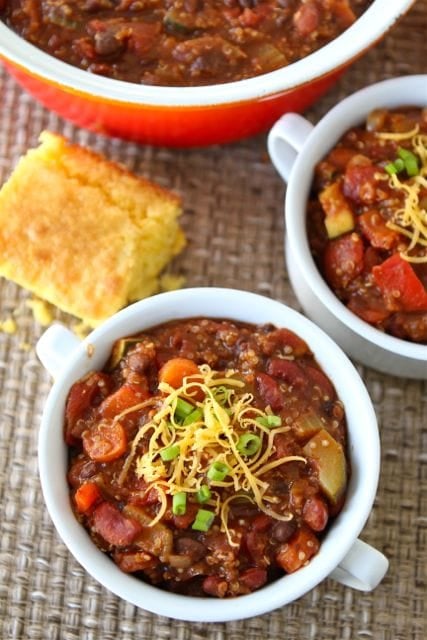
[(234, 222)]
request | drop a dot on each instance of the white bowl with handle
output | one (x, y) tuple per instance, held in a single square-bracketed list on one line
[(295, 147), (342, 554)]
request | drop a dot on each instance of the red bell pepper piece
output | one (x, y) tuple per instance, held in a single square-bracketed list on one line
[(400, 285)]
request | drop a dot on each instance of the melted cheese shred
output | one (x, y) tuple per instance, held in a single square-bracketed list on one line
[(411, 219), (226, 412)]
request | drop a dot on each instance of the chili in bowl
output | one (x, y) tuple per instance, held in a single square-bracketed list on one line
[(114, 67), (356, 221), (217, 445)]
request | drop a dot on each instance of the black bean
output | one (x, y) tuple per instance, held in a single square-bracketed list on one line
[(282, 531)]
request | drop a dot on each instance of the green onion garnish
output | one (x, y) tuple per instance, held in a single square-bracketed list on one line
[(248, 444), (204, 520), (270, 421), (217, 471), (179, 503), (170, 452), (391, 168), (183, 409), (194, 416), (410, 160), (203, 494)]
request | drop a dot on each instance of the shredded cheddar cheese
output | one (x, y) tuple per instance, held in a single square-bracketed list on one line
[(411, 219), (226, 413)]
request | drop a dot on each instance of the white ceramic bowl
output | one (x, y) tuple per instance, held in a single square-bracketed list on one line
[(341, 555), (295, 148), (187, 116)]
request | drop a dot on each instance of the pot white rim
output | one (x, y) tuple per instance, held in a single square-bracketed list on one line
[(369, 28), (381, 94)]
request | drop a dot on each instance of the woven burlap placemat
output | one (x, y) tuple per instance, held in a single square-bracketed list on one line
[(234, 223)]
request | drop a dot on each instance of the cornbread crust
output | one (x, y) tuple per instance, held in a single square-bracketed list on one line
[(84, 233)]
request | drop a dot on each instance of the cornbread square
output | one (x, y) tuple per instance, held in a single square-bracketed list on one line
[(84, 233)]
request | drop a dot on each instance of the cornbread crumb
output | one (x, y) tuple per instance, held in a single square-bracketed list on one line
[(8, 326), (25, 346), (84, 233), (41, 311)]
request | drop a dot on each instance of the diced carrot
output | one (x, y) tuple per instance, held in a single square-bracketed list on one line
[(125, 397), (86, 496), (175, 370), (300, 548), (105, 441)]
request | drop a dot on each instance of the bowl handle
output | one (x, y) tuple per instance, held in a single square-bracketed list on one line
[(362, 568), (55, 346), (285, 141)]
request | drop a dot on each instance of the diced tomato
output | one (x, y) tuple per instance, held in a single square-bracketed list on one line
[(283, 338), (343, 260), (400, 285), (130, 561), (269, 391), (184, 521), (250, 18), (127, 396), (86, 496), (142, 36), (374, 228), (339, 157), (360, 183), (253, 578), (286, 370), (84, 396), (301, 547), (284, 445), (105, 441), (112, 525)]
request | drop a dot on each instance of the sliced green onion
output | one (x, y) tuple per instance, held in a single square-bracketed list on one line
[(183, 409), (270, 421), (204, 520), (399, 164), (391, 168), (410, 160), (217, 471), (248, 444), (170, 452), (179, 503), (203, 494), (194, 416)]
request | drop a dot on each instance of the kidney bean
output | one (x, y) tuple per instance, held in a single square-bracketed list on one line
[(215, 586), (192, 548), (286, 370), (315, 513), (253, 578), (269, 391)]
